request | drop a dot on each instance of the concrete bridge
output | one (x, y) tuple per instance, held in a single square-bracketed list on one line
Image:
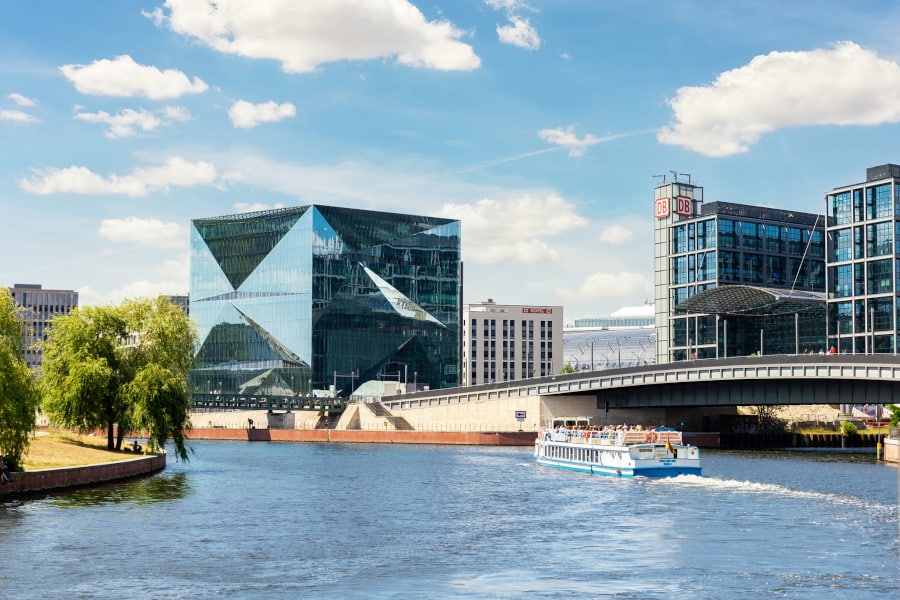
[(745, 381)]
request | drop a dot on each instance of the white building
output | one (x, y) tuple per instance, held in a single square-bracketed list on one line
[(39, 305), (504, 342)]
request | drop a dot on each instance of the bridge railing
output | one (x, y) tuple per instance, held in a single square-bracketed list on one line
[(259, 402)]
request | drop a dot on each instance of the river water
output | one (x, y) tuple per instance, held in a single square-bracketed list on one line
[(267, 520)]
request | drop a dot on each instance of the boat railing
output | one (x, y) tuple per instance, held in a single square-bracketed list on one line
[(609, 437)]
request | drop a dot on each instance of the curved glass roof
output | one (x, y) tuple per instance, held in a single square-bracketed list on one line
[(751, 300)]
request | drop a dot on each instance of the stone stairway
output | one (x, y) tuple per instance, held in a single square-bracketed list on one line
[(399, 423)]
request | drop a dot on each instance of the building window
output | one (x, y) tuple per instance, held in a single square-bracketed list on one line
[(879, 201), (842, 244), (880, 277), (840, 208), (880, 239)]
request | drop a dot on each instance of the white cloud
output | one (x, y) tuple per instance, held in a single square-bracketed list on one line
[(616, 234), (176, 171), (567, 137), (244, 207), (128, 121), (608, 285), (17, 116), (145, 232), (124, 124), (176, 113), (21, 100), (510, 5), (844, 85), (245, 114), (519, 33), (303, 35), (513, 230), (123, 77)]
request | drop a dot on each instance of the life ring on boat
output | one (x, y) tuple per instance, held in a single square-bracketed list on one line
[(587, 434), (650, 437)]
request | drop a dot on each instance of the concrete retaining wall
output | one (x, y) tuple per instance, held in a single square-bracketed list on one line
[(45, 480), (892, 450)]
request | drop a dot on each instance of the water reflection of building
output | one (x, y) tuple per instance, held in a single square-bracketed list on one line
[(734, 280), (295, 299)]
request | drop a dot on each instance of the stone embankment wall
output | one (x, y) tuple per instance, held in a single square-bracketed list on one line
[(44, 480), (505, 438), (744, 441)]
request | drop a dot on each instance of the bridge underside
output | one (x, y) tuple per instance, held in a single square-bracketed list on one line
[(751, 393)]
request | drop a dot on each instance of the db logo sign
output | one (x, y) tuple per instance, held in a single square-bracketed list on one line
[(662, 208), (684, 206)]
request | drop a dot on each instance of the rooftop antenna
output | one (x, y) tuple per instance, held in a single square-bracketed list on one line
[(660, 176)]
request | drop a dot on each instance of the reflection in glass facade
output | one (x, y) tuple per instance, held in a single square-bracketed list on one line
[(298, 299)]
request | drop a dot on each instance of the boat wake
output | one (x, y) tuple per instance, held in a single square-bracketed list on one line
[(770, 489)]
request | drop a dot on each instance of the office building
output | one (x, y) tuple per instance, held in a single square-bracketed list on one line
[(181, 300), (863, 226), (504, 342), (38, 307), (733, 279), (307, 298)]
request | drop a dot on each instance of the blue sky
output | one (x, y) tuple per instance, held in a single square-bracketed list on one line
[(539, 124)]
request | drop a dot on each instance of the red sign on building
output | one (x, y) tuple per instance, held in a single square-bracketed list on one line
[(684, 206), (662, 208), (543, 311)]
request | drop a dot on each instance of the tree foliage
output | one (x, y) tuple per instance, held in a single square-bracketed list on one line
[(567, 368), (768, 419), (124, 366), (19, 397)]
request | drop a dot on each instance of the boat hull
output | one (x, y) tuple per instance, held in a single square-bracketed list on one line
[(621, 471)]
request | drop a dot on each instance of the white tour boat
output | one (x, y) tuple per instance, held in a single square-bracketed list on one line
[(572, 443)]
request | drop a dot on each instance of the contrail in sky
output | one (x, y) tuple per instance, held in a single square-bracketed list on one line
[(508, 159)]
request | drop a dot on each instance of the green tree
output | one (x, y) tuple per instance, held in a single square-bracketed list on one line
[(895, 414), (124, 366), (567, 368), (19, 395)]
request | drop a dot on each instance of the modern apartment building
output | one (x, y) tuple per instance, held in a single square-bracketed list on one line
[(734, 279), (863, 227), (504, 342), (39, 306), (307, 298)]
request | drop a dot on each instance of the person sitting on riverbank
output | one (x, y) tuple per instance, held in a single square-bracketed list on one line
[(5, 474)]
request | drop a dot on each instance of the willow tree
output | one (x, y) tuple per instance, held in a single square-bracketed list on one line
[(121, 368), (19, 395)]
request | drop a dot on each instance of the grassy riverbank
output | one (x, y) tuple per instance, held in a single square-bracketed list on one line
[(54, 449)]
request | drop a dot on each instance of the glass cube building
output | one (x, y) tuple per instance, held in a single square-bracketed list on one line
[(293, 300)]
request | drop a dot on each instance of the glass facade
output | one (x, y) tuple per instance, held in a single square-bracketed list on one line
[(864, 263), (293, 300), (716, 244)]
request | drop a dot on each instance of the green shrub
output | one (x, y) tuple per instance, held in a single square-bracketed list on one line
[(848, 428)]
